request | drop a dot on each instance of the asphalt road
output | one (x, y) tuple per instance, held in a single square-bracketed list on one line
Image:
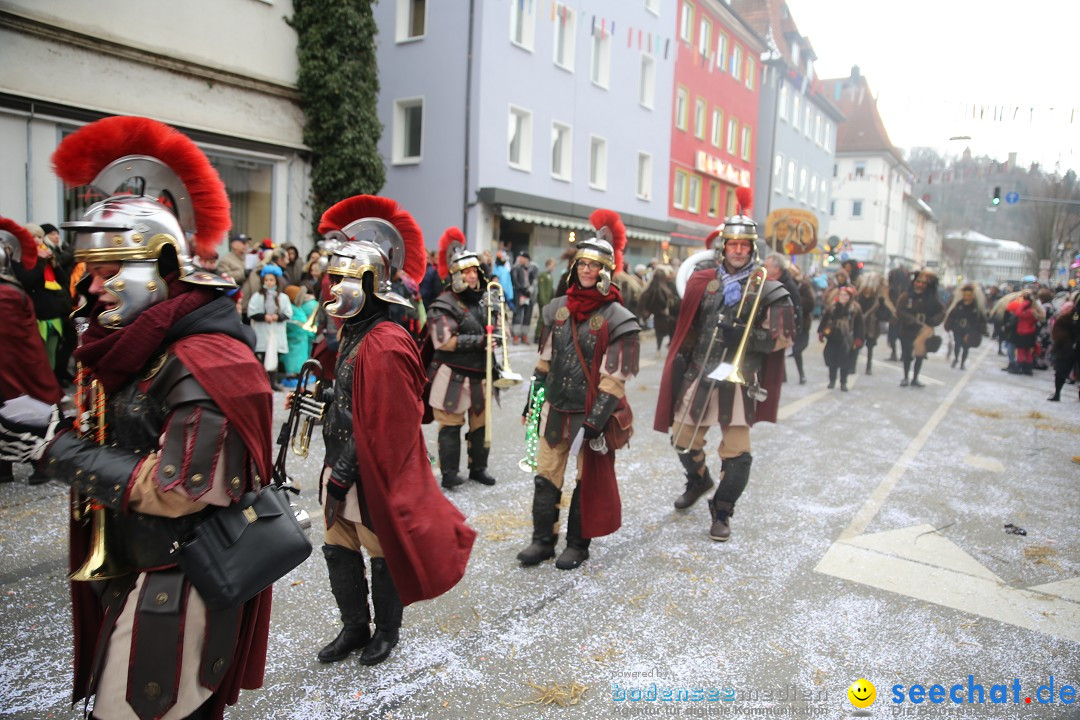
[(870, 543)]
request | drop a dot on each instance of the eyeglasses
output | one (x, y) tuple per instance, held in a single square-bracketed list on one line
[(590, 264)]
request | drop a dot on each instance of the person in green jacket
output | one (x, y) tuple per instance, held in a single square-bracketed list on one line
[(545, 290), (300, 340)]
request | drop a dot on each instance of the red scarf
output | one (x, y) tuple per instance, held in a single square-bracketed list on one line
[(583, 302), (115, 355)]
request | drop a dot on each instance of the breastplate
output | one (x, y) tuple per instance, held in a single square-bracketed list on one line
[(338, 426), (567, 382), (470, 321), (709, 312), (134, 419)]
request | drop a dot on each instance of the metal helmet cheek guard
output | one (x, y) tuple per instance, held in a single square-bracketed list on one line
[(351, 262)]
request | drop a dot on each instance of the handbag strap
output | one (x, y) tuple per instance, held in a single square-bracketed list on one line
[(590, 393)]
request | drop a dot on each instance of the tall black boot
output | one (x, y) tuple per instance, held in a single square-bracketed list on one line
[(843, 378), (832, 376), (798, 364), (915, 375), (698, 480), (6, 474), (869, 358), (450, 455), (347, 582), (1059, 382), (907, 369), (478, 457), (388, 611), (736, 473), (545, 513), (963, 358), (577, 547)]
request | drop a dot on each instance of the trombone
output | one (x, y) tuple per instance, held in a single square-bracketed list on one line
[(507, 377), (754, 285)]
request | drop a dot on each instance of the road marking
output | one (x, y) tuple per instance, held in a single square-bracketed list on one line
[(900, 369), (984, 463), (919, 563), (877, 498)]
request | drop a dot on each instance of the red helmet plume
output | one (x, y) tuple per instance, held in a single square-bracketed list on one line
[(451, 236), (87, 151), (711, 237), (26, 241), (744, 196), (610, 219), (359, 207)]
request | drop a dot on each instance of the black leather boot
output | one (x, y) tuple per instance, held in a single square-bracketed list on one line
[(388, 611), (545, 513), (736, 473), (347, 582), (6, 474), (450, 455), (478, 457), (577, 547), (698, 480)]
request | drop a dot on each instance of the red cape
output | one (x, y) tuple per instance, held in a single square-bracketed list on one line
[(24, 368), (423, 535), (772, 370), (229, 372)]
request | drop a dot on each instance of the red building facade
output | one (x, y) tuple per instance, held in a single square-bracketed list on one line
[(714, 115)]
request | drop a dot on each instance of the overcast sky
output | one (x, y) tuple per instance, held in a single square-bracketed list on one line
[(930, 62)]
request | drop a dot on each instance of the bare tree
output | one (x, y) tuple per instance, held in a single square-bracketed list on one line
[(1055, 218)]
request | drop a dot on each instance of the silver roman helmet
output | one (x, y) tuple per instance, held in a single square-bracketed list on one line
[(605, 247), (16, 245), (454, 258), (368, 245), (149, 206)]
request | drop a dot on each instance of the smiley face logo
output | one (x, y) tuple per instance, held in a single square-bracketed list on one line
[(862, 693)]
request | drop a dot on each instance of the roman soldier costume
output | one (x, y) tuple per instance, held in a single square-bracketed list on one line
[(181, 427), (380, 494), (588, 350), (918, 312), (709, 330), (458, 320)]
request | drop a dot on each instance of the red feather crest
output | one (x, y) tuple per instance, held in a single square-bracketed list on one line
[(712, 237), (359, 207), (26, 240), (451, 236), (745, 197), (84, 153), (611, 220)]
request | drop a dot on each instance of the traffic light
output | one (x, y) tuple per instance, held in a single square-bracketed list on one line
[(996, 200)]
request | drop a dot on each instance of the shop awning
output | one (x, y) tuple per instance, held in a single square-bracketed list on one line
[(539, 217)]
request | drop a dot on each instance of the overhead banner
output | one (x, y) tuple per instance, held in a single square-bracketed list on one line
[(791, 231)]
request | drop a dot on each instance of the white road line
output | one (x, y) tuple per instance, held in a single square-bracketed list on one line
[(877, 498)]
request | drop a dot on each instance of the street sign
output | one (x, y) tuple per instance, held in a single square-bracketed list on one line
[(1012, 198)]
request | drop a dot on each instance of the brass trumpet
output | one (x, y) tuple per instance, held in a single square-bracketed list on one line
[(507, 377)]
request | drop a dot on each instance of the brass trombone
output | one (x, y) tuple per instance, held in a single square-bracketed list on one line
[(507, 377), (754, 285)]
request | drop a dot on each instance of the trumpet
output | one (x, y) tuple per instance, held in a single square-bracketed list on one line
[(507, 377), (311, 325), (754, 286), (306, 409)]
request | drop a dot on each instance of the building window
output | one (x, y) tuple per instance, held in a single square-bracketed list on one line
[(746, 143), (856, 208), (686, 23), (835, 169), (817, 128), (597, 163), (783, 100), (411, 19), (601, 58), (682, 109), (644, 176), (795, 114), (732, 135), (699, 118), (705, 38), (714, 199), (249, 184), (806, 121), (736, 62), (523, 23), (721, 51), (827, 138), (717, 126), (791, 178), (408, 131), (860, 169), (750, 72), (653, 6), (802, 184), (647, 89), (778, 174), (693, 193), (730, 204), (520, 132), (813, 191), (824, 193), (832, 209), (678, 192), (565, 32), (561, 149)]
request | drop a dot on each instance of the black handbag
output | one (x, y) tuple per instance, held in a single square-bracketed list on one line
[(242, 549)]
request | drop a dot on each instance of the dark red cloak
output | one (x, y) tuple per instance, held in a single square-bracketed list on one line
[(24, 368), (228, 371), (601, 506), (772, 368), (423, 535)]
